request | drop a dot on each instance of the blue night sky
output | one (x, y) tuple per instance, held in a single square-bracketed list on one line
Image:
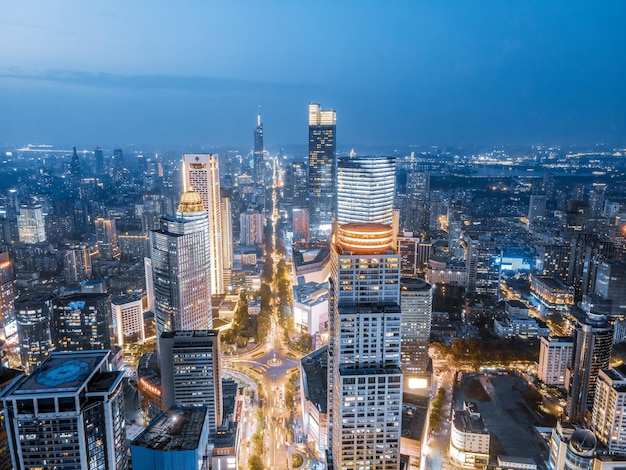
[(402, 72)]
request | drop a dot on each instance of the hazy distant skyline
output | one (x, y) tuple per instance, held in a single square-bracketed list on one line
[(407, 72)]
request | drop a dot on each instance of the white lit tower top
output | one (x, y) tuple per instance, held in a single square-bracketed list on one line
[(201, 174)]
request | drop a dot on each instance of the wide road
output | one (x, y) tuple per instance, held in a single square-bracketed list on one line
[(272, 365)]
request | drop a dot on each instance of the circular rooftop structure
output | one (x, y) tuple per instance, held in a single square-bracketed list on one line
[(190, 201), (365, 238), (583, 442)]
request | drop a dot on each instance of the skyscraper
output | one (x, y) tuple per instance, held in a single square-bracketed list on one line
[(251, 227), (227, 236), (482, 261), (179, 253), (259, 158), (609, 407), (416, 302), (190, 371), (33, 329), (365, 380), (31, 224), (7, 295), (99, 155), (81, 322), (106, 238), (201, 174), (536, 208), (593, 344), (322, 167), (365, 189), (68, 414)]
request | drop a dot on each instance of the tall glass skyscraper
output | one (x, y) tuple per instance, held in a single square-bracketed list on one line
[(179, 252), (201, 173), (365, 189), (322, 167)]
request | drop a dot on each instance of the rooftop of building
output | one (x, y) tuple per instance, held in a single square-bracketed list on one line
[(179, 429), (514, 303), (190, 334), (465, 421), (414, 284), (303, 257), (414, 412), (125, 299), (314, 378), (66, 372)]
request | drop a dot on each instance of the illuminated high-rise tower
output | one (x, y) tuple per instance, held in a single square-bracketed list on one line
[(179, 253), (365, 189), (201, 174), (259, 157), (364, 378), (322, 167), (31, 223)]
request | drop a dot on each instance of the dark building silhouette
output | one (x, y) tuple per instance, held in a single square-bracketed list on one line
[(81, 322)]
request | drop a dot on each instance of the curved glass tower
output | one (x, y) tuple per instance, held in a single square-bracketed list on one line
[(365, 189)]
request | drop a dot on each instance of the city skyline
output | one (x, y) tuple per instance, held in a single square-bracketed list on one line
[(449, 74)]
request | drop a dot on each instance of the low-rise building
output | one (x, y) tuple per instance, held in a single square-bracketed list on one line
[(314, 398), (469, 438), (310, 307)]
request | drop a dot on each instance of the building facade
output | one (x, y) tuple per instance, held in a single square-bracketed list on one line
[(33, 316), (201, 174), (322, 167), (180, 260), (190, 371), (365, 189), (365, 380), (555, 355), (68, 413), (416, 302), (81, 322)]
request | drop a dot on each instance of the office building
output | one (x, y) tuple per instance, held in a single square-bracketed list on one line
[(364, 348), (227, 236), (314, 397), (416, 303), (33, 315), (418, 185), (81, 322), (259, 158), (300, 222), (99, 156), (299, 184), (176, 439), (106, 239), (190, 371), (536, 208), (7, 295), (365, 189), (76, 263), (555, 355), (68, 414), (201, 174), (31, 224), (482, 259), (610, 285), (322, 167), (593, 344), (251, 225), (608, 408), (455, 226), (179, 254), (469, 438), (128, 323), (6, 377)]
